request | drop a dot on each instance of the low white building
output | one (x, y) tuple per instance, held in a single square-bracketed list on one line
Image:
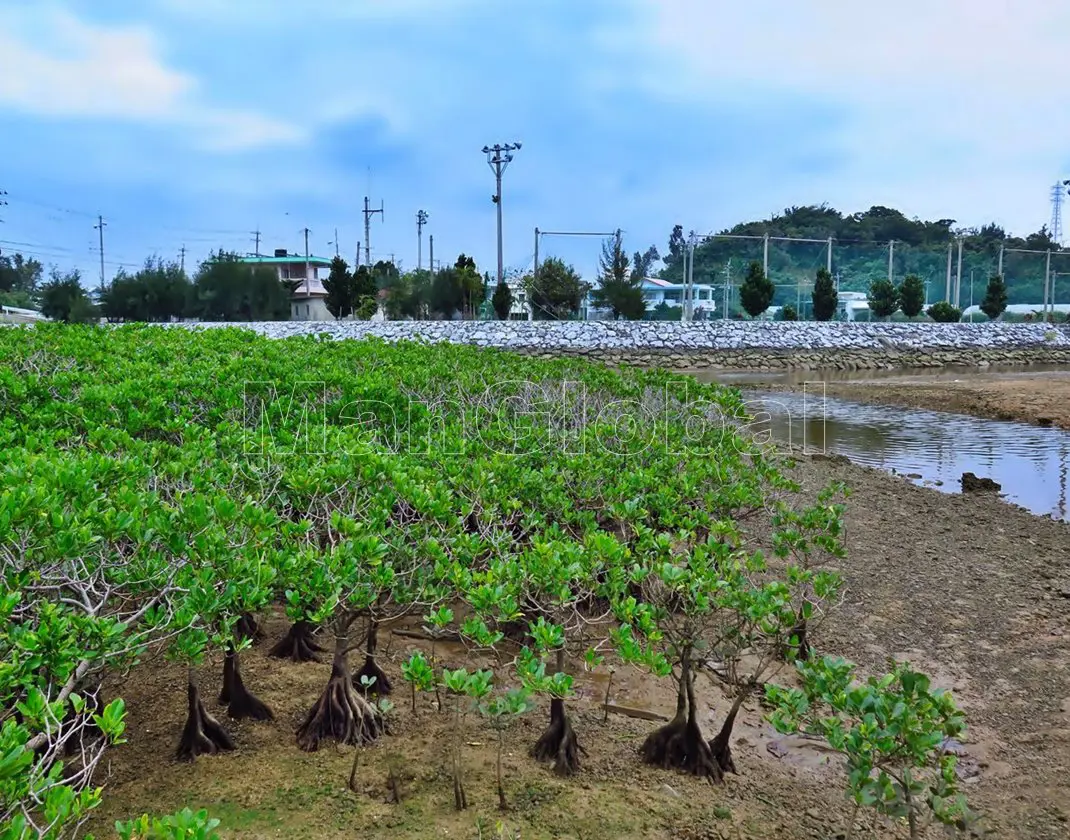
[(17, 315), (1034, 309), (309, 297), (657, 291)]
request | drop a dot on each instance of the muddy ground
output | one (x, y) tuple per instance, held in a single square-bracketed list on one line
[(1042, 399), (966, 587)]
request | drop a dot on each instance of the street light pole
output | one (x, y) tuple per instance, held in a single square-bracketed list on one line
[(499, 157)]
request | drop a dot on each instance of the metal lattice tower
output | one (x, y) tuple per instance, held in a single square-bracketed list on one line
[(1056, 226)]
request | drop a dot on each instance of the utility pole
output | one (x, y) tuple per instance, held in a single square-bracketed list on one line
[(958, 278), (536, 271), (828, 258), (683, 286), (765, 256), (1047, 279), (498, 159), (182, 259), (421, 220), (335, 242), (431, 252), (727, 287), (256, 240), (100, 225), (947, 290), (691, 279), (368, 213), (307, 287), (999, 270), (891, 260)]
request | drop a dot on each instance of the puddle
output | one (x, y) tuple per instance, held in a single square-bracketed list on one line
[(927, 447), (796, 376)]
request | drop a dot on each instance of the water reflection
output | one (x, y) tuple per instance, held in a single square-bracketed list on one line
[(797, 376), (1030, 462)]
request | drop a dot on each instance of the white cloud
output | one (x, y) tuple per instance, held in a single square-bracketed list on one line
[(53, 64), (951, 106)]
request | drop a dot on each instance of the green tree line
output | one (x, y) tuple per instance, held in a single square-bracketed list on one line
[(860, 254)]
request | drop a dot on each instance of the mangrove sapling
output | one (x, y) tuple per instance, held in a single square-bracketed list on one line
[(502, 710), (437, 622), (807, 538), (558, 744), (893, 730), (416, 671), (555, 580), (704, 604), (385, 707), (473, 686)]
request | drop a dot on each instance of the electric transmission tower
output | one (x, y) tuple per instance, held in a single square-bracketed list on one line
[(1056, 227)]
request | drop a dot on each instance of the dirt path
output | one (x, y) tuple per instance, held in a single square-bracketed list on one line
[(966, 587), (1043, 399)]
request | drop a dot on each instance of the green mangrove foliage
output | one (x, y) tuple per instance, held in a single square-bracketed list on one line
[(163, 487)]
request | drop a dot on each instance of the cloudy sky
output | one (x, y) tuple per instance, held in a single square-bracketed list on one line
[(195, 122)]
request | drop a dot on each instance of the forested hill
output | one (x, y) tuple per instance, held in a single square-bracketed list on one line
[(860, 253)]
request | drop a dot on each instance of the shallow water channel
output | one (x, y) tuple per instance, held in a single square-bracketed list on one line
[(928, 447)]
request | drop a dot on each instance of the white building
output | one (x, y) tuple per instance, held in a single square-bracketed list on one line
[(657, 291), (309, 297), (17, 315), (853, 306), (1034, 309)]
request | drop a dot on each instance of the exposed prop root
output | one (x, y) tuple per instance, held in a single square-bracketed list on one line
[(241, 703), (721, 750), (202, 734), (341, 713), (248, 628), (371, 670), (679, 745), (558, 743), (297, 645)]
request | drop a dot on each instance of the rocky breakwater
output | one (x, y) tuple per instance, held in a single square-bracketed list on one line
[(729, 344)]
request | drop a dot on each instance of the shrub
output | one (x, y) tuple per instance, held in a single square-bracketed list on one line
[(788, 313), (944, 313)]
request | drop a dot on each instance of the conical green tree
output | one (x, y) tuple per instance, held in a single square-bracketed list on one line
[(757, 290), (825, 297), (912, 296), (995, 301)]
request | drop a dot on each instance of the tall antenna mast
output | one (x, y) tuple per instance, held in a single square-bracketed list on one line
[(1056, 227)]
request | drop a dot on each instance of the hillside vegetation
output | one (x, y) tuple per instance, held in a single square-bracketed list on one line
[(860, 253)]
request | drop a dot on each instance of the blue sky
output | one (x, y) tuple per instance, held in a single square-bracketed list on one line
[(196, 122)]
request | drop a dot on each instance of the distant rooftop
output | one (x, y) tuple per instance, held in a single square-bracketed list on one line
[(287, 260)]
